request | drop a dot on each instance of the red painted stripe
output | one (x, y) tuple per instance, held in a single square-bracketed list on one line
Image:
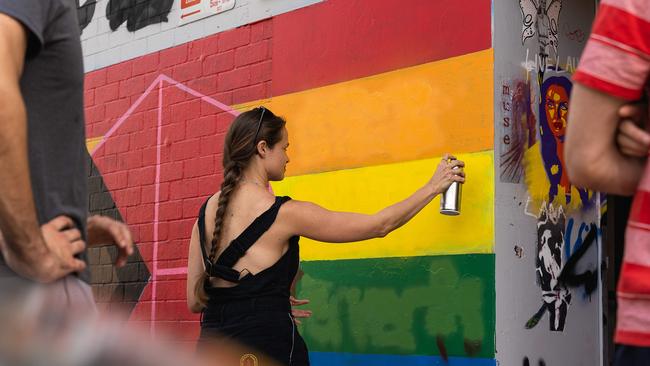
[(640, 211), (339, 40), (632, 338), (624, 27), (635, 279)]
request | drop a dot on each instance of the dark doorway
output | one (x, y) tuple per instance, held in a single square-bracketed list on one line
[(614, 222)]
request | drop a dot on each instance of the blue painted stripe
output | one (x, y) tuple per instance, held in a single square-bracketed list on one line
[(351, 359)]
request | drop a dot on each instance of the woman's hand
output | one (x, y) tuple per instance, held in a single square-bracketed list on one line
[(449, 170), (299, 313)]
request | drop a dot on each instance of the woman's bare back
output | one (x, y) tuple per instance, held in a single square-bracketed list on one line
[(247, 202)]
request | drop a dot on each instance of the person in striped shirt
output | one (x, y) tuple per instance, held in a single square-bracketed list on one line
[(613, 72)]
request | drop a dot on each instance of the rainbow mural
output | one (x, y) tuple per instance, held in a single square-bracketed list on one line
[(374, 93)]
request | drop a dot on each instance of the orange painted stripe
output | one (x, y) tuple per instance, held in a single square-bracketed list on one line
[(409, 114)]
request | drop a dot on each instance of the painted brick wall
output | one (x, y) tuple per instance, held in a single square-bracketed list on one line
[(117, 287), (372, 92), (125, 35), (128, 107)]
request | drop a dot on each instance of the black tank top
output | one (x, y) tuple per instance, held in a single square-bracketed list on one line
[(274, 281)]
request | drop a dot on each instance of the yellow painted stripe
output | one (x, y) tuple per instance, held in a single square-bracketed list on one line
[(370, 189), (409, 114), (92, 142)]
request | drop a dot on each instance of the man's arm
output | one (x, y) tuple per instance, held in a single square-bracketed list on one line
[(591, 155), (42, 254), (17, 214)]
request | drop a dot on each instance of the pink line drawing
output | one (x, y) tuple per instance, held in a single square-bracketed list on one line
[(154, 263), (159, 82), (172, 271)]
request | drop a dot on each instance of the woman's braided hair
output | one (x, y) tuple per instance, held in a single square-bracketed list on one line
[(239, 147)]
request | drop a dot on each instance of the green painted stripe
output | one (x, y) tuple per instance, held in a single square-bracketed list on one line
[(401, 305)]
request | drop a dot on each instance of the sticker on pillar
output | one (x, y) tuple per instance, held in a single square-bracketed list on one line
[(192, 10)]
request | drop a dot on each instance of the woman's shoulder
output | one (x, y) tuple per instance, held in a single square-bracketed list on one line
[(211, 203), (214, 199), (294, 208)]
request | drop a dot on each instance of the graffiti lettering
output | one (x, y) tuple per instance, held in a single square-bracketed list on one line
[(568, 66), (85, 13), (520, 135), (589, 278), (419, 322), (137, 13), (540, 362), (577, 35)]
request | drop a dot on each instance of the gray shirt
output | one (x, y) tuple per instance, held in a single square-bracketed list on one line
[(52, 87)]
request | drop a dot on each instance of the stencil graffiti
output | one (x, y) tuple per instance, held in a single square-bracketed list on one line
[(550, 243), (558, 253), (541, 17)]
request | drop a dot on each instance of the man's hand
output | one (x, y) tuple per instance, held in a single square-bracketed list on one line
[(299, 313), (633, 140), (105, 230), (62, 241)]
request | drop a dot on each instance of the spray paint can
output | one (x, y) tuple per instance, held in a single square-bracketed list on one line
[(450, 200)]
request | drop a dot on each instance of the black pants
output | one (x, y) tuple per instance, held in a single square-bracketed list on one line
[(263, 325), (631, 356)]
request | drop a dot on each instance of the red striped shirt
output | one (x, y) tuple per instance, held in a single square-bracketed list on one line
[(617, 57), (616, 61)]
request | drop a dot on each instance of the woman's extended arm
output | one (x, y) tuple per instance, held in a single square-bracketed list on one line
[(315, 222)]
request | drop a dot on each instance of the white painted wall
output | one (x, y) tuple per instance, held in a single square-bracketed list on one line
[(103, 47)]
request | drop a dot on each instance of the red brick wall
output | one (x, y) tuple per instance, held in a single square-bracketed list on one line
[(157, 190)]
